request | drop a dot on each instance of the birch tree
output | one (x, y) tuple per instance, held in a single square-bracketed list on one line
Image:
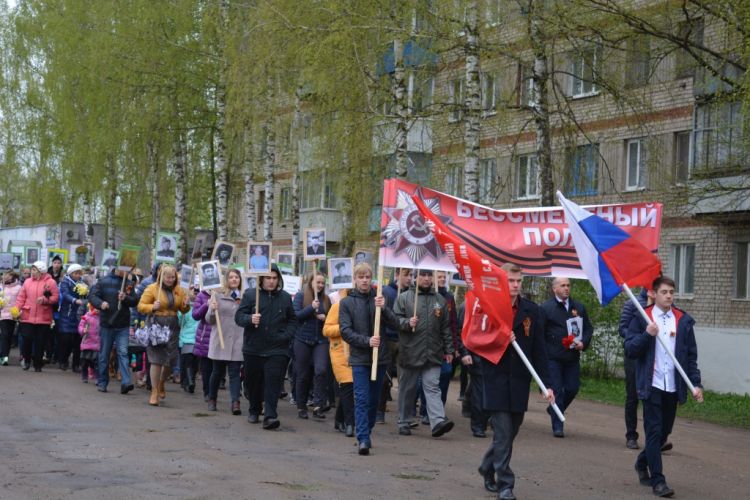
[(249, 177), (180, 199), (400, 110), (472, 105)]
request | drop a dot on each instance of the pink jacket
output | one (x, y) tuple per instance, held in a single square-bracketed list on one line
[(9, 294), (89, 330), (26, 301)]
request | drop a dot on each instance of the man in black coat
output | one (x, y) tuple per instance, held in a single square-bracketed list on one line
[(558, 316), (506, 388), (629, 311)]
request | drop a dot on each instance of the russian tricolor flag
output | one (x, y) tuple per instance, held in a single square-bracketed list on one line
[(609, 256)]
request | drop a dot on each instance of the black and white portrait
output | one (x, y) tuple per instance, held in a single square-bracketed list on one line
[(223, 252), (17, 259), (210, 275), (110, 257), (315, 244), (285, 262), (362, 256), (166, 247), (6, 261), (32, 254), (340, 270)]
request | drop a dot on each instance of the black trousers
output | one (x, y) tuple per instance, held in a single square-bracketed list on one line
[(206, 367), (188, 368), (345, 409), (631, 400), (479, 417), (311, 360), (264, 378), (6, 335), (34, 339), (659, 412), (68, 343)]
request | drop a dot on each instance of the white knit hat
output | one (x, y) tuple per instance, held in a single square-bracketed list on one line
[(73, 268), (40, 265)]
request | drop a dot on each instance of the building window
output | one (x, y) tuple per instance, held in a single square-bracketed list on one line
[(583, 171), (638, 62), (526, 95), (636, 172), (691, 32), (718, 135), (488, 92), (454, 180), (487, 176), (421, 90), (584, 69), (527, 177), (330, 196), (742, 270), (310, 188), (285, 203), (682, 155), (683, 267), (456, 99)]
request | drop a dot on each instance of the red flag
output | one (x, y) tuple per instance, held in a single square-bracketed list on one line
[(490, 329)]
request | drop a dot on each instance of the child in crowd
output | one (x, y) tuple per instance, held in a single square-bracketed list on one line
[(88, 328), (188, 363)]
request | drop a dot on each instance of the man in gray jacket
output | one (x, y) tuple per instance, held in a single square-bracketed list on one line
[(425, 341)]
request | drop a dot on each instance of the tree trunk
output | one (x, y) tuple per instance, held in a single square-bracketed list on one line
[(295, 173), (540, 109), (88, 228), (398, 89), (111, 205), (252, 233), (472, 105), (156, 210), (222, 198), (180, 199), (212, 166), (270, 160)]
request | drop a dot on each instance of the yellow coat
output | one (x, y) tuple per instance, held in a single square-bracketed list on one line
[(338, 349), (146, 304)]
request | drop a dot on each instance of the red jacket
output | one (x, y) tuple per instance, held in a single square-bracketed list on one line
[(26, 301)]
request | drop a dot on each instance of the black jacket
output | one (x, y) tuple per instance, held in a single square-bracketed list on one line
[(357, 322), (506, 384), (554, 317), (432, 337), (106, 290), (277, 323), (629, 311)]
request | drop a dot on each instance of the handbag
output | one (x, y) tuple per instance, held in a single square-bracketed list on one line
[(152, 333)]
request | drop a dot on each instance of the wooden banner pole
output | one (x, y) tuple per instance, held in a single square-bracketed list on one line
[(376, 331)]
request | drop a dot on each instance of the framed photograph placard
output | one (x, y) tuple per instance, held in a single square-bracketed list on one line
[(166, 247), (223, 251), (110, 256), (315, 243), (31, 254), (210, 275), (128, 258), (340, 272), (259, 257), (6, 261), (285, 261), (57, 252)]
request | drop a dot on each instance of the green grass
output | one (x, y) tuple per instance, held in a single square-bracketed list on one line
[(718, 408)]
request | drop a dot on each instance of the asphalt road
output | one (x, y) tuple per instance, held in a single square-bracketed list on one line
[(62, 439)]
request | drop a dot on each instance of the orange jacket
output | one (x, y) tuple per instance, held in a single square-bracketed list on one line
[(338, 349), (146, 304)]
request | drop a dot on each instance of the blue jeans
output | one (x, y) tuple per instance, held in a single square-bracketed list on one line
[(366, 398), (118, 337), (566, 380)]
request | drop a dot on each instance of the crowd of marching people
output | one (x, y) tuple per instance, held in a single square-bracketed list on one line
[(316, 349)]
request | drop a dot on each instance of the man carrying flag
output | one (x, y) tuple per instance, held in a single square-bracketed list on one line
[(661, 339)]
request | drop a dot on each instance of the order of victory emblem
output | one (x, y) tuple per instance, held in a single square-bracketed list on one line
[(407, 231)]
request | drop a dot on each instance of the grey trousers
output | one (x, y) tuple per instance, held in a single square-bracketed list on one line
[(505, 426), (407, 392)]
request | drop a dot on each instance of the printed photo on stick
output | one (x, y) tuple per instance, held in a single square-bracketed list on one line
[(340, 271), (17, 259), (223, 252), (166, 247), (259, 257), (59, 253), (363, 256), (575, 328), (128, 257), (6, 261), (210, 275), (198, 248), (186, 276), (110, 257), (31, 254), (285, 262), (315, 244)]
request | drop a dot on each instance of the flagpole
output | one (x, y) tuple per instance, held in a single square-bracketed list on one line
[(376, 330), (537, 379), (677, 365)]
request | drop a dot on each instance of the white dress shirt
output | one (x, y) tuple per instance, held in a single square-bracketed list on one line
[(664, 377)]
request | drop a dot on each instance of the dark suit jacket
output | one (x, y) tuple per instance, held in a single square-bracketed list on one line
[(641, 346), (318, 251), (506, 384), (554, 318)]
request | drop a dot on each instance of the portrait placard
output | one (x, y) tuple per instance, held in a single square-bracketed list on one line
[(210, 275), (166, 247), (340, 271), (223, 251), (128, 258), (259, 257), (315, 243)]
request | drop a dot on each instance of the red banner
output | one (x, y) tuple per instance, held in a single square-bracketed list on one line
[(487, 282), (536, 239)]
